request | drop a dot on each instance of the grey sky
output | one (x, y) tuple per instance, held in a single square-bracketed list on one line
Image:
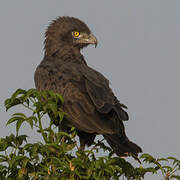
[(138, 52)]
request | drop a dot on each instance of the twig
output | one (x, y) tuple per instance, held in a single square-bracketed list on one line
[(167, 175)]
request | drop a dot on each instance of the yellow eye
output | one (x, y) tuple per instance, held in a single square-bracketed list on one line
[(76, 33)]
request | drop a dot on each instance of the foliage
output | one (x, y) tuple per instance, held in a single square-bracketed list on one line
[(54, 157)]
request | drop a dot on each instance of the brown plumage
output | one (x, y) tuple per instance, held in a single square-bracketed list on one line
[(90, 104)]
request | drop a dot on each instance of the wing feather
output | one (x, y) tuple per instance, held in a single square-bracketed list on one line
[(101, 94), (68, 81)]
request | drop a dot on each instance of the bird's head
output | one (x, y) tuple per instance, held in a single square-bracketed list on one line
[(67, 31)]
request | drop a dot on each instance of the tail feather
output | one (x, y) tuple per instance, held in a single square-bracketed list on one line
[(118, 141), (122, 146)]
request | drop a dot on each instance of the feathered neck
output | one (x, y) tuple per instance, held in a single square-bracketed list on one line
[(66, 53)]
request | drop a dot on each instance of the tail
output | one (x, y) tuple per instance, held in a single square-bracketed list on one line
[(122, 146)]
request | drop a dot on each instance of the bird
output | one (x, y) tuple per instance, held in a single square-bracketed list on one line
[(89, 102)]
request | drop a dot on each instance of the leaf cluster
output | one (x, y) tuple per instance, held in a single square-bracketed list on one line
[(58, 155)]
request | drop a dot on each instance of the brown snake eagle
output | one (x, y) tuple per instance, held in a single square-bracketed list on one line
[(89, 102)]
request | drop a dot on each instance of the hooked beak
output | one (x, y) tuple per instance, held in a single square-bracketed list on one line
[(92, 40), (86, 39)]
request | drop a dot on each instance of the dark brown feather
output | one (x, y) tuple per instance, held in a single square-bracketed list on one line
[(89, 101)]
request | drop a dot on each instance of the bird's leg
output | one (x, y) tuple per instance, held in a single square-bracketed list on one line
[(82, 144)]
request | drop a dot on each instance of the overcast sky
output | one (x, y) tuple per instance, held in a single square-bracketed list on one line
[(138, 51)]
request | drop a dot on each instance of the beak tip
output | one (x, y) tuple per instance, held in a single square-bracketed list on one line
[(93, 40)]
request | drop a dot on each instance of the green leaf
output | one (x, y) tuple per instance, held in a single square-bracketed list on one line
[(31, 121), (15, 160), (18, 92), (162, 159), (52, 94), (172, 158), (11, 102), (18, 124), (27, 146), (175, 177), (11, 120), (29, 93), (53, 107), (148, 158), (55, 160), (16, 117), (61, 133), (55, 146), (60, 97), (61, 115), (3, 158), (151, 169), (21, 138), (10, 138)]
